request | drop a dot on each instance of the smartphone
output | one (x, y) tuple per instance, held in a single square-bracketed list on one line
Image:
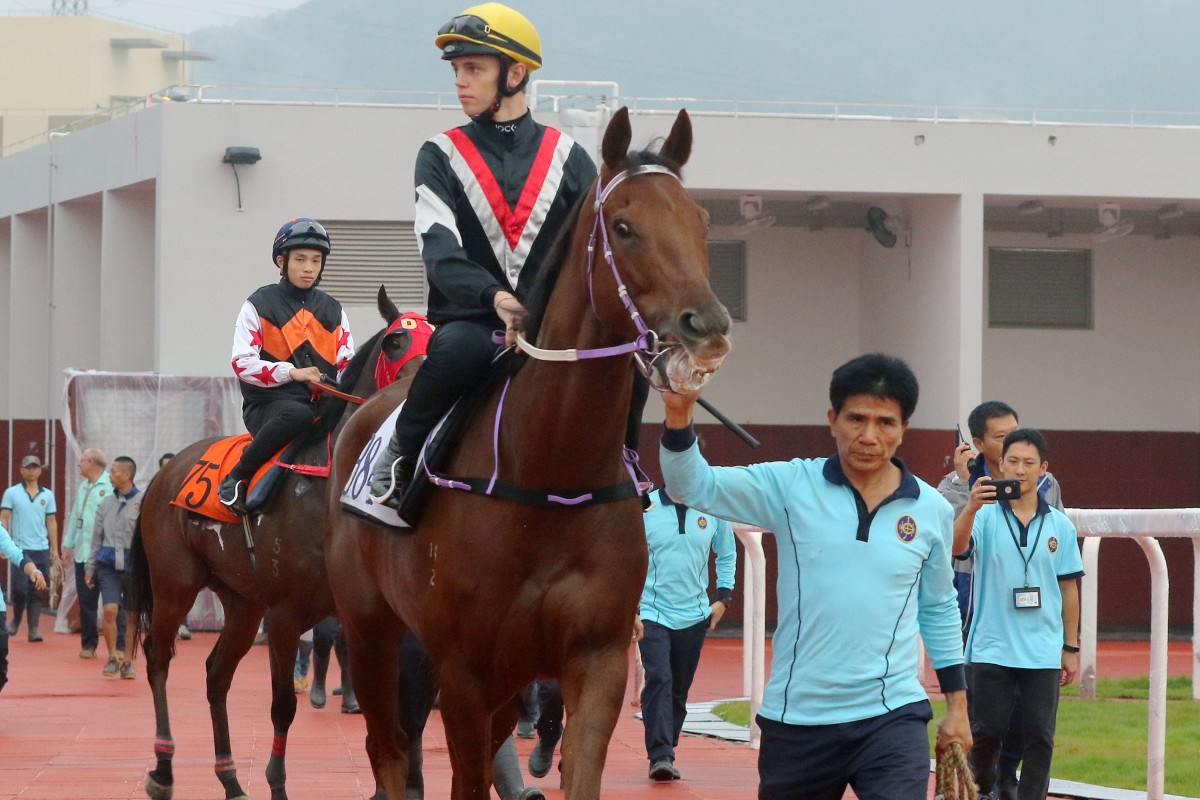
[(1007, 489)]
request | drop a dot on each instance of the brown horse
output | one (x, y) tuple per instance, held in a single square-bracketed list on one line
[(176, 553), (502, 592)]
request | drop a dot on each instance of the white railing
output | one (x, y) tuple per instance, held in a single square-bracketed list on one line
[(1140, 525), (754, 622)]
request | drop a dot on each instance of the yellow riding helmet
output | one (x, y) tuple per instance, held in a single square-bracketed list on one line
[(491, 29)]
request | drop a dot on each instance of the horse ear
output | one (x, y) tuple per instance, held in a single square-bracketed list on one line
[(387, 309), (678, 146), (615, 149)]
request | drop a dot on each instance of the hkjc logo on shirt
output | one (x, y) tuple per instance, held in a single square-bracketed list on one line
[(906, 528), (1052, 544), (702, 523)]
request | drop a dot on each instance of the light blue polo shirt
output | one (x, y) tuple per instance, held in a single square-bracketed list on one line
[(854, 587), (1028, 638), (29, 516), (9, 550), (679, 539)]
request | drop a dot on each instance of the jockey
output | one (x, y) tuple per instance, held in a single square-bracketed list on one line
[(491, 198), (288, 335)]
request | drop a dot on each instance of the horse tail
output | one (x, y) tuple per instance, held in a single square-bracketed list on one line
[(139, 594)]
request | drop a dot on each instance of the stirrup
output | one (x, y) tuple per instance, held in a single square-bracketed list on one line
[(399, 474), (232, 494)]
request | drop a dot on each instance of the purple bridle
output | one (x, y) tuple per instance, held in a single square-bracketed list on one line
[(647, 348)]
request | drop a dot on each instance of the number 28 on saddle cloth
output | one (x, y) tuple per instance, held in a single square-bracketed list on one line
[(199, 490)]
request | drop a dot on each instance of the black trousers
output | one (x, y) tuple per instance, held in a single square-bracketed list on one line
[(550, 712), (25, 595), (670, 658), (881, 758), (996, 689), (89, 601), (276, 423), (459, 353), (3, 655)]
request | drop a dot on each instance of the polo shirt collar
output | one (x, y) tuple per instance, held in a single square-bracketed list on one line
[(908, 482)]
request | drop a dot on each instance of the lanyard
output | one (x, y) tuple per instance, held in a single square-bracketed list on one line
[(1024, 560)]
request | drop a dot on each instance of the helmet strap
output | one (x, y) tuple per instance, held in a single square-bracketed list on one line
[(502, 90)]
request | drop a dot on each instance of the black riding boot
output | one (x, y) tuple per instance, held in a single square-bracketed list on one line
[(506, 775), (320, 665), (34, 617)]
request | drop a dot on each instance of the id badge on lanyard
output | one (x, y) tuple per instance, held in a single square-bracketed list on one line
[(1027, 597)]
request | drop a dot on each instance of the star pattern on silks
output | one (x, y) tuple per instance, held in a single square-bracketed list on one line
[(343, 340), (266, 376), (256, 339)]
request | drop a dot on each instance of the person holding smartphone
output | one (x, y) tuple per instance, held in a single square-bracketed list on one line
[(1024, 641), (988, 423)]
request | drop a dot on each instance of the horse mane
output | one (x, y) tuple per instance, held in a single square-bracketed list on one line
[(551, 268), (358, 363)]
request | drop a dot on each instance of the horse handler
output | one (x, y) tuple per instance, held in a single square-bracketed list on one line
[(864, 564)]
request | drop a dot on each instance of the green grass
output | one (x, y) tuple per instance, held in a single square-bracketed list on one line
[(1103, 741)]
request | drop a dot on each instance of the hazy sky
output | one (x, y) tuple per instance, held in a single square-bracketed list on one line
[(178, 16)]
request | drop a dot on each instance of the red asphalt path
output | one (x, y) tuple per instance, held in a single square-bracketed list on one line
[(68, 732)]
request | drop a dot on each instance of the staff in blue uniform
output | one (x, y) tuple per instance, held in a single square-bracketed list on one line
[(1024, 640), (674, 615), (864, 565), (9, 550)]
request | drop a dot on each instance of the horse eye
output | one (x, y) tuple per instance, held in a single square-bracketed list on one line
[(623, 229)]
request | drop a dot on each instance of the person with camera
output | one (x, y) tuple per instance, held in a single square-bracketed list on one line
[(989, 422), (1024, 640)]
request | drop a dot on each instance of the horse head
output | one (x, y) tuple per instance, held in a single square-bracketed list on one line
[(657, 237), (406, 337)]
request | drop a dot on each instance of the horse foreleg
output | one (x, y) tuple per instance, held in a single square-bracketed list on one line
[(593, 687), (373, 637), (236, 639), (469, 731), (159, 647), (283, 641)]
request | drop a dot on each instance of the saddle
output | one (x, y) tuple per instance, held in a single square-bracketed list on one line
[(199, 490)]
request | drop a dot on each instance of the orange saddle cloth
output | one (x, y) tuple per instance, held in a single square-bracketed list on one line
[(199, 490)]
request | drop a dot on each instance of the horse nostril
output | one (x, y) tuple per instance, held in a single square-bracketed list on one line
[(697, 325)]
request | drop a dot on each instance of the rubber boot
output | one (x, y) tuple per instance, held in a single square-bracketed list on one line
[(18, 607), (414, 784), (316, 695), (349, 699), (34, 617), (506, 775)]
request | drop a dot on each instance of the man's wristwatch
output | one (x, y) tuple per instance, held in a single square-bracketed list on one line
[(1070, 648)]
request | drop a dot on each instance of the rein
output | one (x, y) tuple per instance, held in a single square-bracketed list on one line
[(647, 347), (327, 388)]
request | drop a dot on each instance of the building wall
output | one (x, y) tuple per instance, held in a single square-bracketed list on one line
[(152, 258)]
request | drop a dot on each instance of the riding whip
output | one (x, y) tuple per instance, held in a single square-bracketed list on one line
[(741, 432)]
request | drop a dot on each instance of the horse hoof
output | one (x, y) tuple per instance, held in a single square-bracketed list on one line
[(156, 791)]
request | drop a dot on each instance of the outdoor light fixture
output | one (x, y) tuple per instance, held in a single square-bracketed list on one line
[(1170, 211), (818, 202), (1031, 207), (240, 155)]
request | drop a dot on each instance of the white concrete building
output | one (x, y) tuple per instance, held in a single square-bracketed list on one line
[(146, 255)]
